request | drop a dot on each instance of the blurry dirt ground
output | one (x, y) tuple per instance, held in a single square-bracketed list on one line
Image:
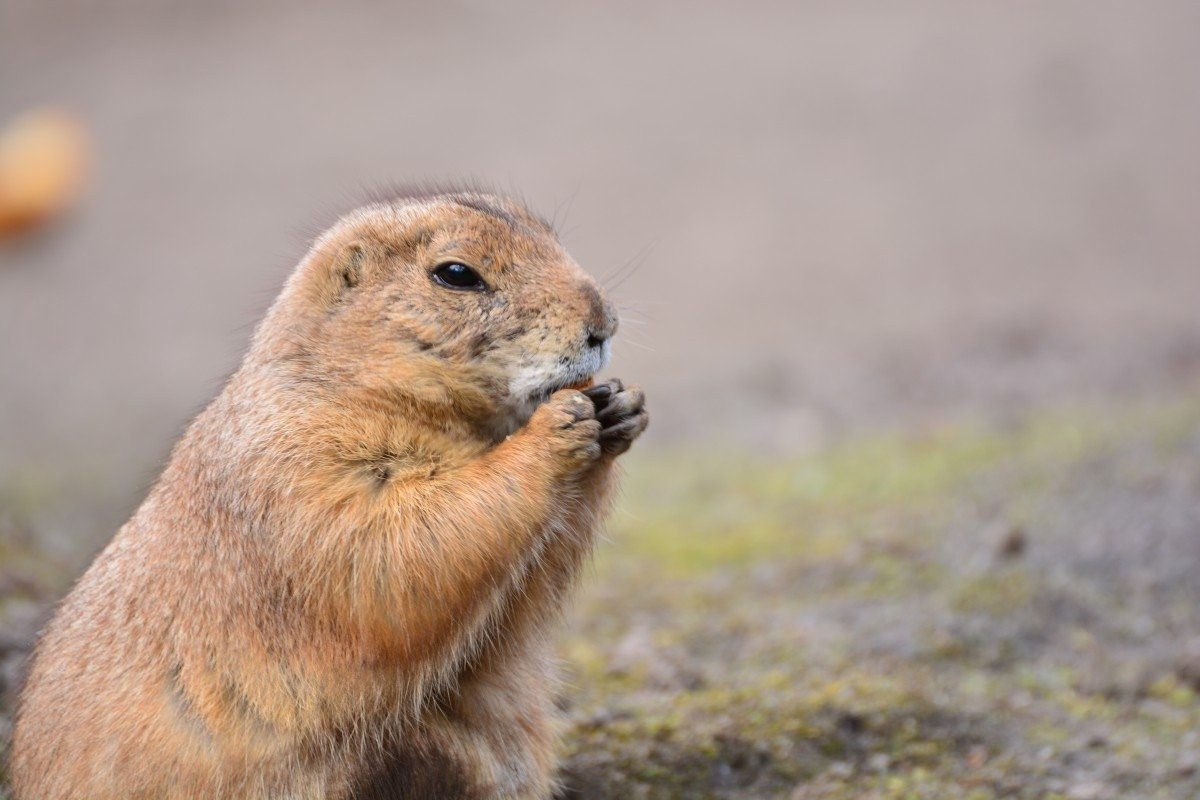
[(968, 612)]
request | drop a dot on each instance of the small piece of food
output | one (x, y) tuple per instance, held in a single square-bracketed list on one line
[(44, 156)]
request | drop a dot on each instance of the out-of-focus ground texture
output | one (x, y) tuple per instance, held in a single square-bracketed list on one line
[(914, 289)]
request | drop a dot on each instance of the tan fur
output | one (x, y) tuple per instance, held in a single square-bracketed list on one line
[(340, 587)]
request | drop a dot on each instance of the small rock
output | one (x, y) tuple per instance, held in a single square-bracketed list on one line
[(1087, 790), (879, 762), (1012, 543), (1187, 665), (638, 655), (852, 723)]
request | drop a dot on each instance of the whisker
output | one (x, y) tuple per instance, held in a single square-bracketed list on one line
[(628, 268), (565, 207), (629, 338), (635, 319), (638, 345), (636, 264), (643, 304)]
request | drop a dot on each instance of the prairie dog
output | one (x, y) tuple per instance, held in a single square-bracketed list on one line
[(341, 585)]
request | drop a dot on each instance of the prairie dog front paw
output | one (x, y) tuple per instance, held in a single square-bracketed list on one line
[(567, 423), (621, 412)]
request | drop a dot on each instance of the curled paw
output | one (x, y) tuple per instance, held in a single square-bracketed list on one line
[(621, 413), (567, 422)]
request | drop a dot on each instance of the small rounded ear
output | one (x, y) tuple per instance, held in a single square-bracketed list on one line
[(350, 264), (340, 271)]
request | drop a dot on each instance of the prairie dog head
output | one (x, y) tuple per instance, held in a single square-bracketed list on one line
[(461, 298)]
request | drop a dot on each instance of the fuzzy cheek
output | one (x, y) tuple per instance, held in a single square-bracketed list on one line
[(604, 355), (529, 378)]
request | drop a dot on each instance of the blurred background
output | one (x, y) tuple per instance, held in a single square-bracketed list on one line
[(913, 289)]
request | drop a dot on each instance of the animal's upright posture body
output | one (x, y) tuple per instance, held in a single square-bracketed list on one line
[(340, 586)]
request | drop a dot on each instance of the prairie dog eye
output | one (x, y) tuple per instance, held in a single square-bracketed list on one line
[(455, 275)]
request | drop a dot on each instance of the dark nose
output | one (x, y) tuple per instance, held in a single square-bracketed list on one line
[(602, 319)]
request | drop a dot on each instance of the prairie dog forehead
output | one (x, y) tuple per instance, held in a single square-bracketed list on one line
[(396, 220)]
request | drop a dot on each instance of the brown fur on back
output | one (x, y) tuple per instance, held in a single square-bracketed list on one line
[(341, 585)]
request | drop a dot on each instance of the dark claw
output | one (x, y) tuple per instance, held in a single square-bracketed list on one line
[(600, 392), (621, 429), (617, 439), (618, 410)]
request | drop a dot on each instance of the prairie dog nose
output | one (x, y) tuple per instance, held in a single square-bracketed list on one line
[(602, 318), (597, 338)]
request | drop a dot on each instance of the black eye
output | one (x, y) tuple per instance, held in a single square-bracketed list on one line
[(459, 276)]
